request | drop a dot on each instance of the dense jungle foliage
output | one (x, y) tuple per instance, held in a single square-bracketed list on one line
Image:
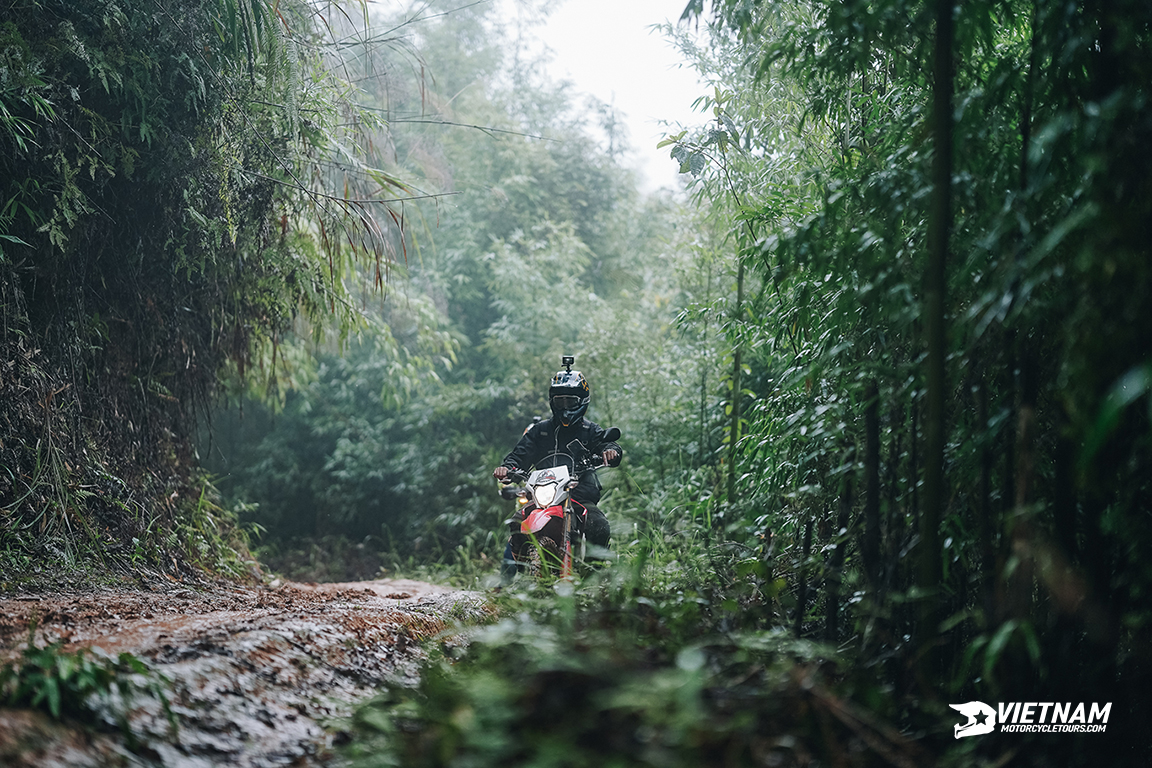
[(883, 375), (167, 213)]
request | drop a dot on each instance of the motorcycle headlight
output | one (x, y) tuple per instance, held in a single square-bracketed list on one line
[(544, 494)]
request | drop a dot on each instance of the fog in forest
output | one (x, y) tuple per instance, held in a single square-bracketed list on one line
[(284, 282)]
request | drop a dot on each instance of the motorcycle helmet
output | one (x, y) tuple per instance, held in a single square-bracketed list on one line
[(569, 396)]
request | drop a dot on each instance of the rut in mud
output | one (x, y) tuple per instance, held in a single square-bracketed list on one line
[(258, 676)]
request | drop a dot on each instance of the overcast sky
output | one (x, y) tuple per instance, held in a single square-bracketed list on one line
[(605, 47)]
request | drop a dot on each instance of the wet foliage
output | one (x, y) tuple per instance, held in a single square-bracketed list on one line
[(930, 444), (884, 379), (633, 667), (947, 225), (81, 686), (166, 214)]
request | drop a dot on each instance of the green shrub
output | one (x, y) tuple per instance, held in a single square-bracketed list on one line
[(607, 672), (79, 685)]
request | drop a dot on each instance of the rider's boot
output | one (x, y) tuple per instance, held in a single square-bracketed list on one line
[(508, 567)]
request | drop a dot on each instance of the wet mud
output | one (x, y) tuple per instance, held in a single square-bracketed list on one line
[(255, 676)]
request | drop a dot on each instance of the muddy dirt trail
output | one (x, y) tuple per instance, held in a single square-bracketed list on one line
[(258, 676)]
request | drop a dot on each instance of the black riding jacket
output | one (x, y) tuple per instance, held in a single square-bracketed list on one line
[(543, 439)]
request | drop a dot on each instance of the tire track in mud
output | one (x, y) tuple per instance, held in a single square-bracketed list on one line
[(255, 673)]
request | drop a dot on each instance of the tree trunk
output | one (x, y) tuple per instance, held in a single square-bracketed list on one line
[(914, 461), (871, 545), (896, 524), (802, 591), (935, 301), (1025, 432), (702, 451), (737, 387), (984, 525), (836, 569), (1008, 443), (1021, 582), (1064, 503)]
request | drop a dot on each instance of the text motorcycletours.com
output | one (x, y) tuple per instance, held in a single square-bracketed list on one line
[(1032, 717)]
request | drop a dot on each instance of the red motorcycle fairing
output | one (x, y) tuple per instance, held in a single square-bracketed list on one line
[(535, 519)]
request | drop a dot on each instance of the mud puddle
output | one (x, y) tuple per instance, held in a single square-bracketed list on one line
[(257, 676)]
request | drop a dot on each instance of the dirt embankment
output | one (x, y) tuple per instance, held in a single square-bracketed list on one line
[(257, 676)]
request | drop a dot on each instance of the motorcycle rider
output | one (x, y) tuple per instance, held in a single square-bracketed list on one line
[(568, 399)]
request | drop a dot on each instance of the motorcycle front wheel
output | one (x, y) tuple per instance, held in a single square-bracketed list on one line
[(540, 553), (544, 558)]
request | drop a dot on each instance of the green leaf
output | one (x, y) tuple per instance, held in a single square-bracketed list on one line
[(1128, 388), (996, 646), (52, 686), (696, 163)]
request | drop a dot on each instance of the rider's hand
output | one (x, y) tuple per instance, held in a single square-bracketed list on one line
[(500, 473), (610, 455)]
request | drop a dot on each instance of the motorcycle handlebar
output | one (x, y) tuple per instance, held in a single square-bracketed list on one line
[(581, 458), (595, 461)]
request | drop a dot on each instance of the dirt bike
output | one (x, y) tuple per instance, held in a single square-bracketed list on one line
[(550, 534)]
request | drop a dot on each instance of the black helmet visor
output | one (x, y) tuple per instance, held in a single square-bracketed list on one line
[(567, 402)]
